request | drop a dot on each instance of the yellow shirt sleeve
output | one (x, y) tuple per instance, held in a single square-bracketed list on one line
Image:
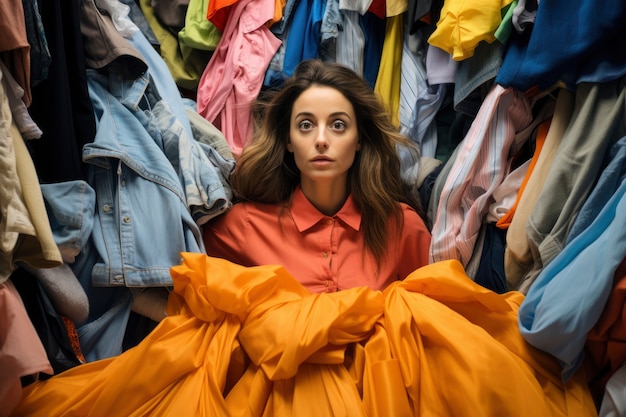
[(464, 23)]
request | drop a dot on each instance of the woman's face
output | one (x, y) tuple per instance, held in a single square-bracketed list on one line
[(323, 135)]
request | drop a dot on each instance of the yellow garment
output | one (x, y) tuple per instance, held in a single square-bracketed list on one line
[(464, 23), (387, 84), (253, 342), (184, 62), (396, 7)]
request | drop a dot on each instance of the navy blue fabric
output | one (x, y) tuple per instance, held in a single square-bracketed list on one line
[(490, 273), (572, 41)]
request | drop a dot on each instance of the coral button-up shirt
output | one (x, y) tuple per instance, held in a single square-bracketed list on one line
[(324, 253)]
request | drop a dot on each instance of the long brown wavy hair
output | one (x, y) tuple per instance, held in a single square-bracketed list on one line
[(267, 173)]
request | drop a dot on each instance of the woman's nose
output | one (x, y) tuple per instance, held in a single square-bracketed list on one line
[(320, 141)]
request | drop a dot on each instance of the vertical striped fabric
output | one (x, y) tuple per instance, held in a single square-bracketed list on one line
[(481, 165)]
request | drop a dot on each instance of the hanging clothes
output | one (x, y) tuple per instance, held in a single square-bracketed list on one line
[(596, 124), (234, 75), (464, 200), (564, 303)]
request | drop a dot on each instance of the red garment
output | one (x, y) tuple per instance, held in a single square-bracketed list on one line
[(324, 253), (606, 342), (379, 8), (218, 12)]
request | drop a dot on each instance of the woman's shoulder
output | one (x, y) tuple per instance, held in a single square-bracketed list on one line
[(249, 209), (241, 214), (412, 218)]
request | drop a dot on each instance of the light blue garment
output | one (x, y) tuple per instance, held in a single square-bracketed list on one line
[(207, 190), (569, 295), (70, 207), (351, 42), (419, 102), (142, 220), (162, 78), (331, 21), (102, 334), (145, 176), (330, 29)]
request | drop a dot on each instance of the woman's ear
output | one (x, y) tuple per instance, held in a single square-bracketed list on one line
[(289, 146), (358, 146)]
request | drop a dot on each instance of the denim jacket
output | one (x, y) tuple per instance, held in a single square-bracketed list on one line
[(137, 169)]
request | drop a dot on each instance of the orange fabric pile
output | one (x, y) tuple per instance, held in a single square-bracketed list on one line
[(254, 342)]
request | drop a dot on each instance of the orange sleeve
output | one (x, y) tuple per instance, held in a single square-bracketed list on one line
[(224, 236), (505, 221), (415, 243)]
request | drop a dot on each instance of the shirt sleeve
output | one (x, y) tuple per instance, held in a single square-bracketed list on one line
[(224, 235), (414, 243)]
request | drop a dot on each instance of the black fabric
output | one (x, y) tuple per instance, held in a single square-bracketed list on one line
[(61, 106), (426, 189), (490, 273)]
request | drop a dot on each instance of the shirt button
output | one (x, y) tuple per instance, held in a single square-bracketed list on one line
[(106, 208), (325, 255), (126, 219), (329, 221)]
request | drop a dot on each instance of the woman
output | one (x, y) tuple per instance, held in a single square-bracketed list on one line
[(321, 188)]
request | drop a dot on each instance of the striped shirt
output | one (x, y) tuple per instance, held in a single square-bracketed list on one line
[(481, 165)]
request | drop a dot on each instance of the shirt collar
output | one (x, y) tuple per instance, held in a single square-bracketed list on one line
[(305, 215)]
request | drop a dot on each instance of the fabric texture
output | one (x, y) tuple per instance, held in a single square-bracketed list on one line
[(252, 341)]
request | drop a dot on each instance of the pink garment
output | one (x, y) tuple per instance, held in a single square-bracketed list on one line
[(14, 44), (21, 350), (479, 168), (235, 73)]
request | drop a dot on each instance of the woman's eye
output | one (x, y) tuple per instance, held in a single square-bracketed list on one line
[(305, 125), (338, 125)]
